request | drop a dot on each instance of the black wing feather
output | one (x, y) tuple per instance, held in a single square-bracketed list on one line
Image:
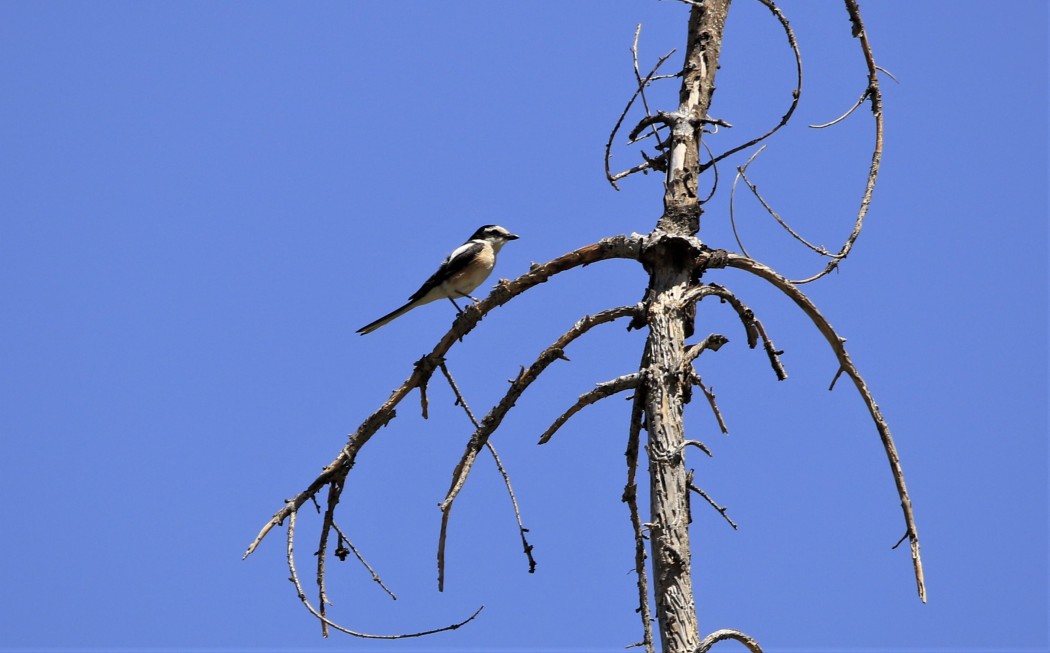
[(449, 267)]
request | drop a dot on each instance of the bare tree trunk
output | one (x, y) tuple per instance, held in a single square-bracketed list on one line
[(703, 46), (670, 257)]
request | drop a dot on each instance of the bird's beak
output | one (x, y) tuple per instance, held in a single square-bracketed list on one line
[(511, 236)]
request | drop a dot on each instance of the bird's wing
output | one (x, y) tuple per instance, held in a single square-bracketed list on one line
[(455, 262)]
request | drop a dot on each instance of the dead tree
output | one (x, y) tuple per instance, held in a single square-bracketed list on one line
[(675, 260)]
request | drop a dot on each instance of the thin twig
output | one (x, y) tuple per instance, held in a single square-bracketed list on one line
[(714, 169), (772, 352), (742, 174), (732, 202), (644, 165), (835, 379), (526, 547), (860, 101), (711, 400), (341, 554), (722, 510), (460, 401), (638, 77), (742, 171)]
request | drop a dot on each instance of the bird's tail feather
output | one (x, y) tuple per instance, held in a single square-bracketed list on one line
[(389, 317)]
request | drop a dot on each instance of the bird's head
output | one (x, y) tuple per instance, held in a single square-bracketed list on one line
[(494, 234)]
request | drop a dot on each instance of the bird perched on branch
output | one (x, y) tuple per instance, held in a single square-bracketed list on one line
[(465, 269)]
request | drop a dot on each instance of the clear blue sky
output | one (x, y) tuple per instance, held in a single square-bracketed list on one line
[(202, 201)]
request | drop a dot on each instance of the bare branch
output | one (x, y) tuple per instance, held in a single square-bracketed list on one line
[(795, 94), (835, 379), (713, 342), (724, 634), (714, 169), (860, 101), (294, 578), (874, 94), (526, 547), (846, 364), (732, 203), (742, 174), (699, 445), (335, 489), (644, 165), (460, 401), (642, 83), (630, 497), (601, 391), (695, 378), (639, 91), (341, 552), (722, 510), (752, 325)]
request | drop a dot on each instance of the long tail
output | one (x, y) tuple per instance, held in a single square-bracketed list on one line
[(389, 317)]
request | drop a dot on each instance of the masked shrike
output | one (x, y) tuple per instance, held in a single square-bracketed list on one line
[(465, 269)]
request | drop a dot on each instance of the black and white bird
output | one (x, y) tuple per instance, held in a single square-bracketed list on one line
[(465, 269)]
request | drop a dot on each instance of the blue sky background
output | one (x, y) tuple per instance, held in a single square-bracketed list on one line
[(202, 201)]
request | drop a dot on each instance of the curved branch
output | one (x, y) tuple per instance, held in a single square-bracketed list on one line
[(601, 391), (714, 169), (724, 634), (732, 203), (327, 622), (742, 174), (846, 364), (875, 96), (615, 247), (752, 325), (849, 112), (795, 94)]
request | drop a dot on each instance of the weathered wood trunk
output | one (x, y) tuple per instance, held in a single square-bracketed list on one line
[(669, 257)]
